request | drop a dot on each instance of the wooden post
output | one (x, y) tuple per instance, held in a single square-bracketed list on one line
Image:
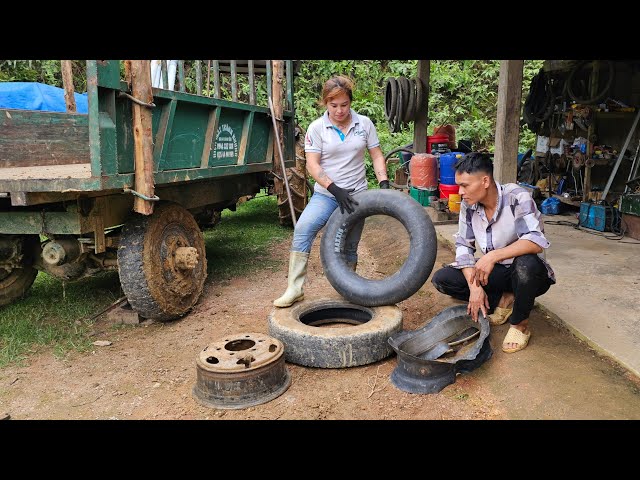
[(198, 77), (181, 75), (252, 83), (165, 74), (276, 95), (142, 135), (505, 165), (216, 79), (127, 72), (593, 89), (234, 81), (208, 78), (67, 82), (422, 113)]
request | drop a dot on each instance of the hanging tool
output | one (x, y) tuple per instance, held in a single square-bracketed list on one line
[(284, 169)]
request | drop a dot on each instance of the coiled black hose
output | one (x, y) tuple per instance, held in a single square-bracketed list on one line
[(572, 86), (540, 101), (402, 100)]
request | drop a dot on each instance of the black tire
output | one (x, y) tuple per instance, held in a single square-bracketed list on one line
[(571, 86), (16, 282), (413, 273), (390, 93), (334, 347), (153, 284)]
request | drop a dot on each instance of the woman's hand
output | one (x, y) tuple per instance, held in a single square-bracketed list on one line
[(343, 198)]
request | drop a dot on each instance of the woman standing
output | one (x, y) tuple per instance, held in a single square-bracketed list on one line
[(335, 147)]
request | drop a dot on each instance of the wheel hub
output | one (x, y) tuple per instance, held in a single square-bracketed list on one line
[(240, 371), (179, 259)]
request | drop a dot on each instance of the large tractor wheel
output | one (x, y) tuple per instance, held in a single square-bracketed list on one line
[(162, 262), (16, 281), (299, 193)]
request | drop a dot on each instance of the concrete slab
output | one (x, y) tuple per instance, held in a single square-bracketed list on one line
[(596, 294)]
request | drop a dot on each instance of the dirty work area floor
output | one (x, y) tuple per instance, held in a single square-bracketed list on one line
[(149, 370)]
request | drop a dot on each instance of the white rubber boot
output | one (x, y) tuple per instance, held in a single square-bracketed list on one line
[(297, 273)]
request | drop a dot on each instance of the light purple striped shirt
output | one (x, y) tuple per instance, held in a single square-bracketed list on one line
[(517, 217)]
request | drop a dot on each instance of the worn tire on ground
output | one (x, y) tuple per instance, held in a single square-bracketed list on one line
[(334, 347), (414, 272), (153, 284)]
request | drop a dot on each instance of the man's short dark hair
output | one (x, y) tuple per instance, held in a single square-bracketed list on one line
[(475, 162)]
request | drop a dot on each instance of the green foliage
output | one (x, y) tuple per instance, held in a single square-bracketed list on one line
[(43, 71), (462, 92)]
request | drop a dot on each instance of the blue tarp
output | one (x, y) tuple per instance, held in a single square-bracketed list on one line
[(38, 96)]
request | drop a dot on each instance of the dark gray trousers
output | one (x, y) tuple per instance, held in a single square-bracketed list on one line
[(527, 278)]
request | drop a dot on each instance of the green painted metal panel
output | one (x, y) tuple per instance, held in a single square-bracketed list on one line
[(630, 203), (108, 73), (204, 173), (226, 141), (124, 134), (186, 139), (163, 121), (260, 138), (289, 93), (20, 222), (108, 144)]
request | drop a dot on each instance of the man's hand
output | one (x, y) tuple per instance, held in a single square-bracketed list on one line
[(384, 184), (483, 268), (343, 198), (478, 300)]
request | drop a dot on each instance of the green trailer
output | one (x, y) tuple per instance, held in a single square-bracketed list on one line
[(67, 184)]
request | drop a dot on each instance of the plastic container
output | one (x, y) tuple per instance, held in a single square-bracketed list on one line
[(449, 131), (446, 190), (423, 195), (551, 206), (447, 172), (454, 202), (423, 169), (431, 139), (437, 148)]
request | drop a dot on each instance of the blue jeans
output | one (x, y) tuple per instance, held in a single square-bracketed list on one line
[(315, 216)]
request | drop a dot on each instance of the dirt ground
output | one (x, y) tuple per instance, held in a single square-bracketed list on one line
[(149, 370)]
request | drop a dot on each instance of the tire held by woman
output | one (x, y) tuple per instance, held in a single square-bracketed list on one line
[(413, 273)]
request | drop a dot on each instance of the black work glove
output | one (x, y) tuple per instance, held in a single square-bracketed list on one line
[(343, 198), (384, 184)]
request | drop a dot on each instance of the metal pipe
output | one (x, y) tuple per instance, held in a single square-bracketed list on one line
[(622, 152)]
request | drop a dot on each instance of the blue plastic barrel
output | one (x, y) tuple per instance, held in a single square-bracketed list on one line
[(447, 172)]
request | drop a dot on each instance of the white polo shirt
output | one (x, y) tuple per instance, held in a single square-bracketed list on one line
[(342, 159)]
